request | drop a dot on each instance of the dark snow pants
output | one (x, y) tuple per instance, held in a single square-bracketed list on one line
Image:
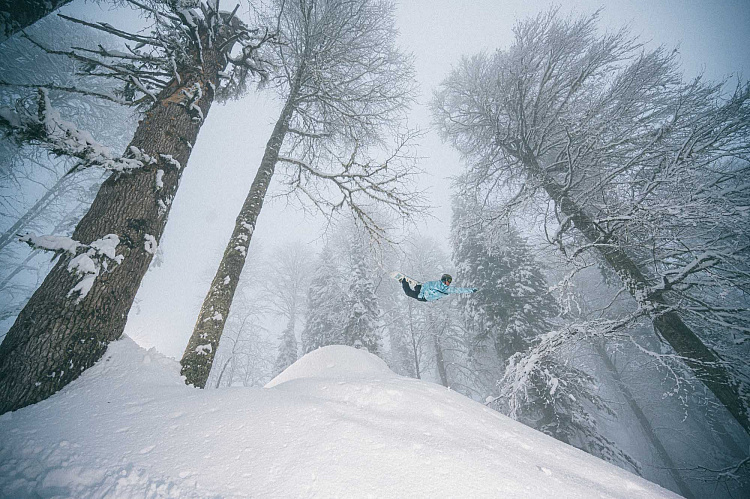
[(412, 293)]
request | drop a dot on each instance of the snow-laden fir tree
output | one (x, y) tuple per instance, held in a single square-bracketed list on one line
[(287, 349), (324, 319), (515, 304), (503, 322), (363, 318)]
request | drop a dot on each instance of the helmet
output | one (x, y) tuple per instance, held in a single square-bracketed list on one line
[(446, 278)]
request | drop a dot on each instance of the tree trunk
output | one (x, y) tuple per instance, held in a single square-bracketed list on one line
[(704, 362), (56, 337), (440, 361), (201, 349), (16, 15), (648, 430), (52, 193), (414, 346)]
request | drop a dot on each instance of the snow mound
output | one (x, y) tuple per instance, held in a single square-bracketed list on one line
[(335, 362), (337, 423)]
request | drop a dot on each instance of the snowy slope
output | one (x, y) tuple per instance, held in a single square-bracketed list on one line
[(338, 423)]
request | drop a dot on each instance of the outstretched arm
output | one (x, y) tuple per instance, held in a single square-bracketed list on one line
[(457, 290)]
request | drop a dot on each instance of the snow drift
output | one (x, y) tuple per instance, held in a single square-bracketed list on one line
[(338, 423)]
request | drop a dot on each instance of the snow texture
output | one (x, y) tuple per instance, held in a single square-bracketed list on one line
[(51, 243), (337, 423), (150, 244), (90, 264)]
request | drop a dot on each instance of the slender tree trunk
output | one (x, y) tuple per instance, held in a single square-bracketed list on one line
[(16, 15), (52, 193), (440, 361), (201, 349), (648, 430), (56, 337), (414, 348), (704, 362)]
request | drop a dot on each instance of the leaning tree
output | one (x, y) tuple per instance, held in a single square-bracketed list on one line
[(630, 162), (343, 84), (192, 54)]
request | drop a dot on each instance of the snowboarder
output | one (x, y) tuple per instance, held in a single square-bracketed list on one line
[(430, 290)]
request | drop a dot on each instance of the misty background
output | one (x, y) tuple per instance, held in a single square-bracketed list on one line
[(712, 39)]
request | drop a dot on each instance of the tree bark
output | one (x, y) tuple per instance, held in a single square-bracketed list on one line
[(201, 349), (16, 15), (56, 337), (704, 362), (440, 361)]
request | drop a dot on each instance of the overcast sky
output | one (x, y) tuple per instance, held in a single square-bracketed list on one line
[(712, 37)]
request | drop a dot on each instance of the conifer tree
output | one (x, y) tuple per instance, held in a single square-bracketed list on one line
[(325, 301), (287, 349), (515, 305), (363, 326)]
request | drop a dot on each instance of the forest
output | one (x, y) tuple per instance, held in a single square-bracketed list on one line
[(600, 206)]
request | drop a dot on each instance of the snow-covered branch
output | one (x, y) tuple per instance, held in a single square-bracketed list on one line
[(88, 264), (46, 128)]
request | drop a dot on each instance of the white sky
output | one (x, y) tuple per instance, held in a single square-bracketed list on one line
[(712, 37)]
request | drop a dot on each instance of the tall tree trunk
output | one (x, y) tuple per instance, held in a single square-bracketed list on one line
[(56, 337), (16, 15), (414, 346), (648, 430), (440, 361), (201, 349), (704, 362)]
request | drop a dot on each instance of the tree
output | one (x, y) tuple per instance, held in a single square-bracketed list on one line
[(363, 317), (515, 304), (16, 15), (286, 288), (343, 83), (325, 302), (39, 192), (647, 169), (247, 353), (174, 72)]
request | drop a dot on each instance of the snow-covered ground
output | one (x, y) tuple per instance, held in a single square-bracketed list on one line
[(338, 423)]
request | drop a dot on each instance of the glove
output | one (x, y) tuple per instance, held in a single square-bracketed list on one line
[(474, 290)]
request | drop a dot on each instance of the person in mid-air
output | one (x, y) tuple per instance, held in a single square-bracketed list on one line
[(433, 290)]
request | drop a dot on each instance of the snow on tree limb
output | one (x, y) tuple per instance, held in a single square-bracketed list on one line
[(63, 138), (88, 265)]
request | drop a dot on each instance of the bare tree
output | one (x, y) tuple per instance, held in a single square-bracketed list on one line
[(650, 172), (174, 72), (287, 283), (343, 83)]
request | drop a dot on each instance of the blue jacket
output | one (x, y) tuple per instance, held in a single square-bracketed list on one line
[(434, 290)]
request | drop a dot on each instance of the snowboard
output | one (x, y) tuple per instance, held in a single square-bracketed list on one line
[(399, 276)]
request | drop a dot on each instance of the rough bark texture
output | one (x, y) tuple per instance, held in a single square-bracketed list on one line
[(704, 362), (201, 349), (16, 15), (55, 338)]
